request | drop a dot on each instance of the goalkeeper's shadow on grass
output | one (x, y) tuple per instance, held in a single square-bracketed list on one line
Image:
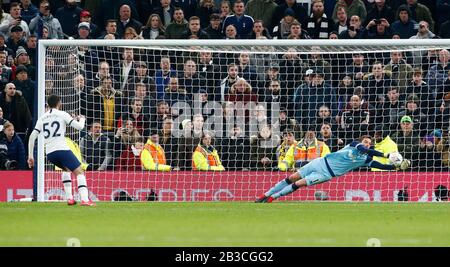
[(123, 195)]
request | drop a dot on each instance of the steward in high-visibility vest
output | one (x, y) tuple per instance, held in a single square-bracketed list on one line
[(153, 157), (77, 152), (205, 157), (305, 151)]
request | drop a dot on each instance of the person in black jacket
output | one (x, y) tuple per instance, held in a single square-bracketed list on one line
[(300, 13), (126, 21), (214, 30), (194, 29)]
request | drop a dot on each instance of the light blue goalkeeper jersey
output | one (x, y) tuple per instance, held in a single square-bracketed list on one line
[(347, 159)]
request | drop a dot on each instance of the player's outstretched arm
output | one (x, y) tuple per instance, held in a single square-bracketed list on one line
[(370, 152)]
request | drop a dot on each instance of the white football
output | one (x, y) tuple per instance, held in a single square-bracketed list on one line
[(395, 158)]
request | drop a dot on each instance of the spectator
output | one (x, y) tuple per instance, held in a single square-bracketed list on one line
[(306, 150), (45, 19), (194, 29), (342, 21), (206, 157), (228, 81), (407, 139), (95, 148), (429, 155), (126, 69), (162, 76), (166, 11), (25, 85), (85, 16), (153, 157), (103, 72), (241, 91), (16, 39), (106, 105), (401, 71), (387, 111), (319, 26), (263, 149), (31, 48), (16, 149), (175, 29), (380, 11), (353, 7), (230, 32), (242, 22), (405, 26), (125, 21), (110, 28), (422, 33), (209, 68), (316, 61), (225, 9), (291, 69), (68, 16), (443, 146), (283, 28), (438, 73), (377, 83), (174, 93), (358, 68), (29, 10), (187, 6), (283, 148), (323, 116), (355, 122), (301, 14), (204, 11), (420, 88), (15, 108), (154, 28), (190, 79), (354, 30), (284, 122), (326, 135), (162, 112), (14, 19), (2, 120), (135, 113), (412, 110), (140, 76), (6, 72), (379, 29), (274, 96), (84, 31), (261, 10), (130, 159), (131, 34), (384, 144), (3, 47), (169, 142), (259, 31), (420, 12), (79, 83), (214, 30)]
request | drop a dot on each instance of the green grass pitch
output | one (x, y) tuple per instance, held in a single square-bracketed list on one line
[(226, 224)]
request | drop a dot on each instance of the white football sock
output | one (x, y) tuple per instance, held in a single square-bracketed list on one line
[(82, 187), (67, 182)]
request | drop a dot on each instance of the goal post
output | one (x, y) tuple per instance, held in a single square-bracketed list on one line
[(249, 96)]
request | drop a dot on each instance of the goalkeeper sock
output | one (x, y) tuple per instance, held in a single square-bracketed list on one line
[(279, 186), (286, 191), (67, 182), (82, 187)]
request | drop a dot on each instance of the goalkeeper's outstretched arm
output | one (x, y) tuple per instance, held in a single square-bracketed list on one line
[(390, 167), (368, 151)]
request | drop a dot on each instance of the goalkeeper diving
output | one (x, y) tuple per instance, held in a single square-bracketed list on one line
[(320, 170)]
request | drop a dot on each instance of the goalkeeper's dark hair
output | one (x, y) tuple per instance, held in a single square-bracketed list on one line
[(53, 101), (364, 137)]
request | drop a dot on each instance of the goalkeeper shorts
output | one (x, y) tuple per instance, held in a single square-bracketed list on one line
[(315, 172)]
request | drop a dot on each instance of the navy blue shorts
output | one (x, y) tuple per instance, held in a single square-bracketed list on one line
[(64, 159)]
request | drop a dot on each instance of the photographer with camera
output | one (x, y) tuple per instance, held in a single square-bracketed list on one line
[(354, 30), (14, 19), (379, 29)]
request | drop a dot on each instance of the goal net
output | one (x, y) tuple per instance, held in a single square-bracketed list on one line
[(190, 120)]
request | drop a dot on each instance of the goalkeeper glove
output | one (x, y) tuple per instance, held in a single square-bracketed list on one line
[(403, 165)]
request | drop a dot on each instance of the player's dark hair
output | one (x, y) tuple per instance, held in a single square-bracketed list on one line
[(53, 101)]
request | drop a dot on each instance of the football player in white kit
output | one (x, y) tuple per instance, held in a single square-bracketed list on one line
[(53, 125)]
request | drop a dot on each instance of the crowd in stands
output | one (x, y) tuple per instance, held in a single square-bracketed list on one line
[(131, 97)]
